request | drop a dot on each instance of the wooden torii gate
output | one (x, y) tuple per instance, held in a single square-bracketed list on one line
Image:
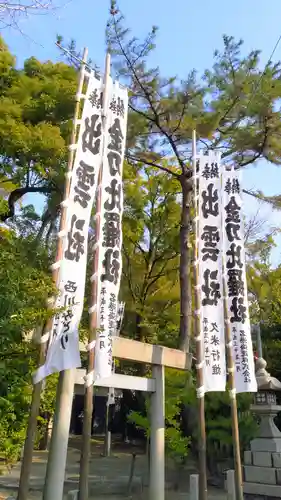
[(159, 357)]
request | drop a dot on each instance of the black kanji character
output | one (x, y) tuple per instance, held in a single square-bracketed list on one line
[(227, 187), (235, 256), (114, 161), (235, 282), (96, 99), (214, 171), (116, 136), (64, 340), (70, 286), (233, 211), (239, 310), (86, 176), (216, 355), (111, 230), (215, 340), (205, 321), (232, 231), (214, 327), (86, 179), (210, 204), (206, 171), (69, 301), (216, 370), (81, 197), (111, 266), (114, 190), (113, 105), (90, 135), (211, 288), (120, 108), (76, 240), (211, 237)]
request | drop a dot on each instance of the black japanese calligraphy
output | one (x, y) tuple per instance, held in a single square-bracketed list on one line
[(76, 240), (114, 190), (235, 282), (232, 186), (86, 179), (211, 237), (239, 310), (91, 134), (210, 171), (111, 264), (111, 230), (117, 106), (215, 340), (210, 199), (114, 161), (66, 321), (116, 136), (70, 286), (211, 288), (233, 220), (234, 253), (95, 99), (216, 370)]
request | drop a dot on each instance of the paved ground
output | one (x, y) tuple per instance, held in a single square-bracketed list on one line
[(108, 476)]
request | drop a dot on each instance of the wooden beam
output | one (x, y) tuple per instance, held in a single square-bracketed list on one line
[(118, 381), (124, 348)]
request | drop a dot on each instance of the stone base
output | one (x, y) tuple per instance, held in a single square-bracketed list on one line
[(257, 491), (272, 445)]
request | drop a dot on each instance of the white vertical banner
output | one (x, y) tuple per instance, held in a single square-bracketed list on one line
[(63, 351), (236, 283), (210, 272), (110, 244)]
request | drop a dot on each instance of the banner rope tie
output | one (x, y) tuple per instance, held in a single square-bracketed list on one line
[(232, 393), (89, 378), (91, 345), (55, 265), (45, 337), (200, 392), (92, 309)]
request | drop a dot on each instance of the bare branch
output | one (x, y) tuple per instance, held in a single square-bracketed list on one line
[(11, 11), (152, 164)]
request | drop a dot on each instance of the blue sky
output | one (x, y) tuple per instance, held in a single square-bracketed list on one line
[(188, 35)]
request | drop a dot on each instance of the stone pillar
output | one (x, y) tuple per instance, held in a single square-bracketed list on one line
[(262, 463)]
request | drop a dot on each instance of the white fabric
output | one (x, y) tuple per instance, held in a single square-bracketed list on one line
[(210, 272), (236, 283), (63, 352), (110, 262)]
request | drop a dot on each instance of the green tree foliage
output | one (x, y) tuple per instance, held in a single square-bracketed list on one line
[(24, 287), (36, 107), (232, 107), (150, 255)]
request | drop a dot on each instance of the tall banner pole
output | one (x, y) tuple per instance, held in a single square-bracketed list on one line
[(237, 322), (89, 387), (198, 338), (233, 400), (54, 481), (35, 403)]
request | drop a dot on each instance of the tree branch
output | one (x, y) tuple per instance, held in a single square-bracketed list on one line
[(152, 164), (17, 194)]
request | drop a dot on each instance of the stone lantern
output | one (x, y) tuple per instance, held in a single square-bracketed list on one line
[(262, 464)]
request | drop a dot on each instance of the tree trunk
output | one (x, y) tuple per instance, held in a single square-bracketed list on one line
[(185, 265)]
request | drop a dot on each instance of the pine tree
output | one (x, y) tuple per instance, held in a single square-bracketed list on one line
[(232, 108)]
